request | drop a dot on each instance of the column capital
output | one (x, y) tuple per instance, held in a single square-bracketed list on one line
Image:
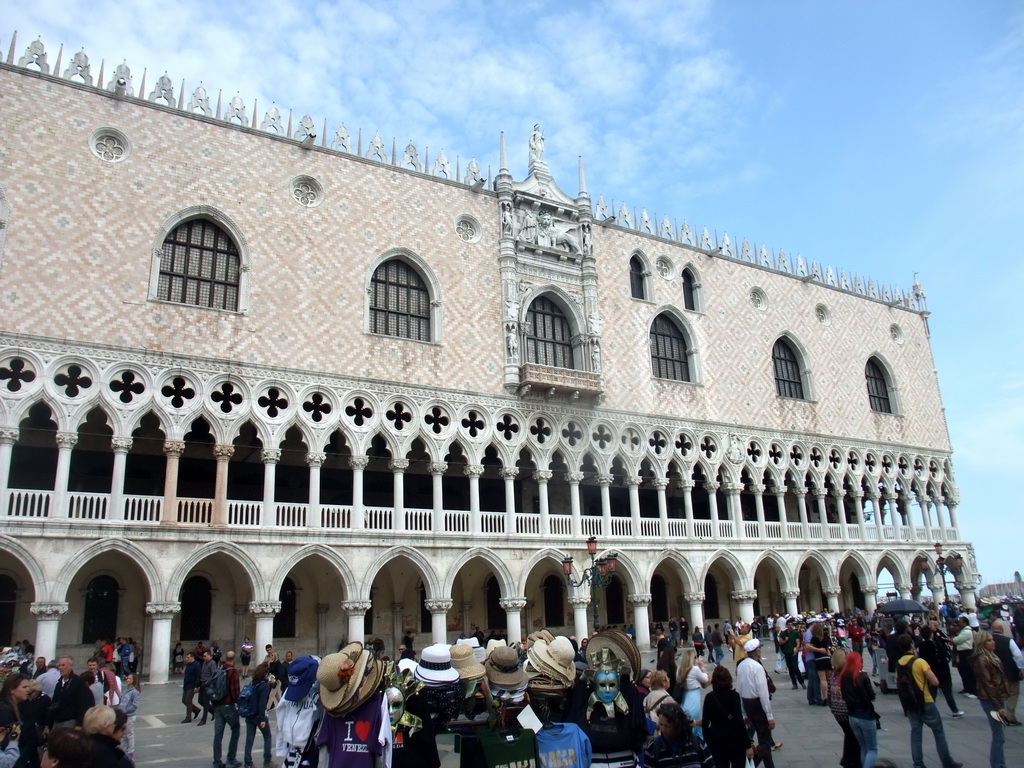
[(67, 439), (818, 493), (574, 478), (711, 486), (9, 436), (743, 595), (685, 485), (322, 608), (356, 607), (358, 462), (223, 452), (966, 585), (869, 589), (270, 455), (791, 594), (832, 591), (579, 601), (439, 604), (265, 608), (121, 444), (398, 465), (316, 458), (694, 597), (162, 610), (856, 493), (512, 603), (543, 476), (732, 488), (838, 492), (800, 491), (241, 609), (437, 467), (605, 480), (904, 587), (659, 484), (639, 599), (757, 488), (48, 610), (634, 481), (473, 470), (508, 473), (174, 448)]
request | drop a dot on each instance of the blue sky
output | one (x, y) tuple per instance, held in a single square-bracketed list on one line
[(883, 138)]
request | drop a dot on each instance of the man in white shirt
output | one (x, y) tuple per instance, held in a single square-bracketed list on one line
[(48, 680), (752, 686)]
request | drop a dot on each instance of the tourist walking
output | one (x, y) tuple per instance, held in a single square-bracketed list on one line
[(190, 686), (918, 705), (851, 757), (934, 648), (130, 705), (964, 642), (1008, 652), (752, 686), (859, 695), (722, 723), (992, 693), (257, 720)]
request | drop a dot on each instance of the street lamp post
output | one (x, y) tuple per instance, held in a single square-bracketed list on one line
[(945, 564), (599, 574)]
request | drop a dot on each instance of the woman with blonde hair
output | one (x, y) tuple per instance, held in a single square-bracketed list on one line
[(659, 695), (990, 680), (691, 678), (821, 652)]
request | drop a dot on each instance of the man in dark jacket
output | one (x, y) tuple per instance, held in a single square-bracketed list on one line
[(209, 669), (225, 712), (71, 697), (190, 686)]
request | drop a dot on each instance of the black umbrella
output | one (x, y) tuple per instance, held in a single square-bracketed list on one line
[(894, 607)]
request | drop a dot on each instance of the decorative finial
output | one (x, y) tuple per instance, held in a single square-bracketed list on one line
[(503, 158), (583, 180)]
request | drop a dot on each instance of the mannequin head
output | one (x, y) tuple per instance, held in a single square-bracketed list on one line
[(396, 704), (606, 686)]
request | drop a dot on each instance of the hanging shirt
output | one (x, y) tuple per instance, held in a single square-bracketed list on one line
[(563, 745), (508, 749), (353, 741)]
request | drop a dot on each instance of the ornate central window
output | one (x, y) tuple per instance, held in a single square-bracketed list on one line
[(548, 335), (200, 265), (399, 302)]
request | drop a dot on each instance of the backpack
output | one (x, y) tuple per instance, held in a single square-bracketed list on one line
[(247, 701), (910, 694), (217, 688), (126, 651)]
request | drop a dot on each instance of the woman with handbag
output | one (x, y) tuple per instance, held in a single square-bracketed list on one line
[(837, 705), (691, 679), (859, 695), (722, 722)]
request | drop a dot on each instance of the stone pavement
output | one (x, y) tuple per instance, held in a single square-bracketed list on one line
[(810, 735)]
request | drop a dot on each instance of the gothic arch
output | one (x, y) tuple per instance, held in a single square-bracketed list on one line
[(676, 558), (782, 568), (30, 563), (128, 548), (891, 561), (257, 583), (859, 564), (498, 566), (331, 555), (548, 553), (733, 567), (828, 574), (426, 568)]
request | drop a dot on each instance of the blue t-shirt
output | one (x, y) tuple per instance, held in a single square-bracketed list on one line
[(563, 745)]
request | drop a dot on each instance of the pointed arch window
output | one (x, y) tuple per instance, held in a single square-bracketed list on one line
[(196, 604), (637, 278), (554, 601), (200, 265), (284, 621), (399, 302), (689, 290), (669, 350), (788, 381), (548, 335), (878, 387)]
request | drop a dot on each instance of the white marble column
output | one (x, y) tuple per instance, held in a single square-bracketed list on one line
[(574, 479), (790, 596), (906, 591), (968, 594), (580, 604), (801, 506), (686, 486), (513, 607), (173, 449), (541, 477), (870, 592), (905, 500), (745, 598), (321, 628), (832, 598), (47, 623), (924, 504), (474, 472), (439, 608), (712, 490), (659, 486), (858, 511), (159, 656), (356, 610), (358, 465), (8, 437), (695, 600), (605, 482), (270, 458), (264, 611), (315, 461), (839, 494), (952, 502), (222, 455), (509, 475), (936, 503), (732, 507), (66, 442), (758, 490), (437, 470), (819, 502), (633, 486), (641, 620), (120, 446), (398, 467)]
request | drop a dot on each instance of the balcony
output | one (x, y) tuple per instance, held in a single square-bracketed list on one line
[(99, 509), (544, 379)]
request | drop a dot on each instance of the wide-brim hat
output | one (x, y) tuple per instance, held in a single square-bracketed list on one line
[(540, 634), (542, 660), (620, 645), (371, 683), (492, 644), (474, 643), (340, 675), (503, 668), (464, 660), (435, 667)]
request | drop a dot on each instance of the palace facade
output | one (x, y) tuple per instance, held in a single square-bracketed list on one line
[(255, 382)]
